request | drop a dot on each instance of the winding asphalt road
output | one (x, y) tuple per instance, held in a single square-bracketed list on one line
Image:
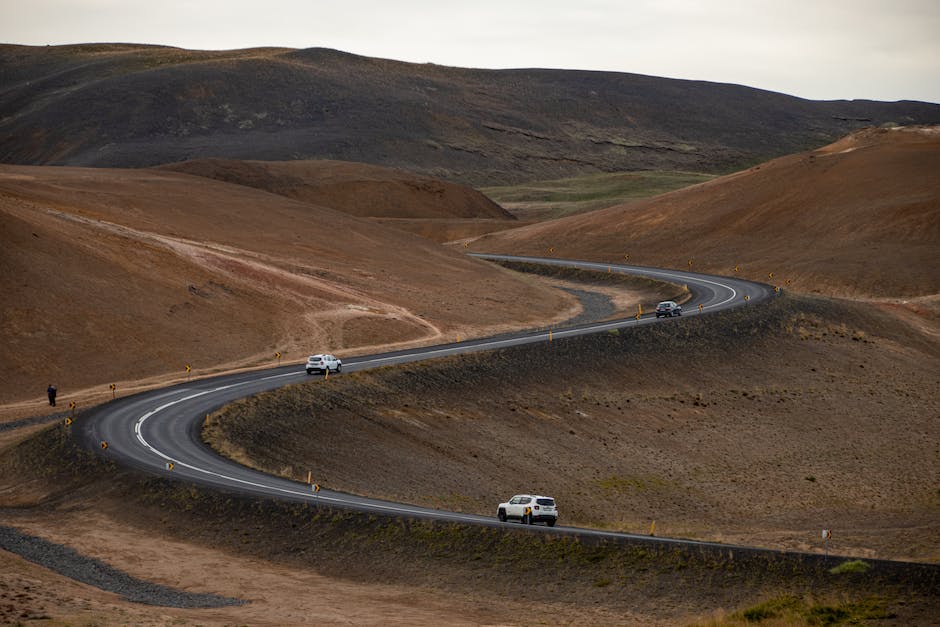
[(152, 429)]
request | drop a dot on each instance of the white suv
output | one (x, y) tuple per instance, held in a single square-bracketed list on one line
[(529, 509), (323, 363)]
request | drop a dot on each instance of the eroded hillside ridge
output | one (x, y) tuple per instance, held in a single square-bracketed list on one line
[(355, 188), (618, 578), (132, 106), (158, 270), (749, 427), (858, 218)]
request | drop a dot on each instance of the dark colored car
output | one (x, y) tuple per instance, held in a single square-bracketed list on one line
[(668, 308)]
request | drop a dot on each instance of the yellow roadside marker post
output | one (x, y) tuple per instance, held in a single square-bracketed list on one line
[(113, 388), (737, 268), (72, 405), (169, 466), (309, 476), (527, 516), (277, 356), (188, 370), (770, 275), (104, 444), (68, 421), (653, 528), (746, 297), (700, 307), (316, 493)]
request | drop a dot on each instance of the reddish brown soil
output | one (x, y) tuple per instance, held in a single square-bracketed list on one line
[(119, 276), (756, 428), (126, 276), (359, 189), (859, 218)]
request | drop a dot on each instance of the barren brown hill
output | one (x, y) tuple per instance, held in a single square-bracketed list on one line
[(113, 276), (125, 105), (860, 217), (766, 425), (356, 188)]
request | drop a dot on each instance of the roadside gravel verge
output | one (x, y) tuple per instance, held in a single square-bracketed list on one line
[(68, 562)]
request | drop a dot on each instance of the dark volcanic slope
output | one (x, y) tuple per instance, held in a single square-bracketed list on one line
[(129, 105)]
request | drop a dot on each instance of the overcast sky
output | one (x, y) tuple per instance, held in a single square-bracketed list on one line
[(817, 49)]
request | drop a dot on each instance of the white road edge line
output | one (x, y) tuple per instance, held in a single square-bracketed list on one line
[(138, 427)]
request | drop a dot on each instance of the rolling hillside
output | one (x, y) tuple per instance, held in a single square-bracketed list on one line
[(860, 217), (127, 105), (355, 188), (120, 275)]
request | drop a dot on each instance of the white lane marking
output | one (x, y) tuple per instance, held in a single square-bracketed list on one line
[(138, 427), (626, 269), (560, 333)]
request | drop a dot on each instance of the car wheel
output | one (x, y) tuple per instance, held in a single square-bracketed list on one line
[(501, 515), (309, 371), (551, 523), (339, 368)]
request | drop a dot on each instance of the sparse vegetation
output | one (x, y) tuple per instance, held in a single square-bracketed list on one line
[(546, 200), (851, 566), (706, 426), (806, 610), (689, 450)]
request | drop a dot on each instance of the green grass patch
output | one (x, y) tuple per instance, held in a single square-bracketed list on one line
[(801, 610), (544, 200), (853, 566)]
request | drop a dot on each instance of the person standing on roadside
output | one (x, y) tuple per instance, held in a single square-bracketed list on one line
[(51, 392)]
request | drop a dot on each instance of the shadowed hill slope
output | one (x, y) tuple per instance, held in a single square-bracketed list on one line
[(359, 189), (130, 106), (860, 217)]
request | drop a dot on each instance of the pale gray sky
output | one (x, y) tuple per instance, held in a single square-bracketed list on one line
[(817, 49)]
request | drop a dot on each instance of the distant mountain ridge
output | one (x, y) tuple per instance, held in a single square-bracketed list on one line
[(125, 105)]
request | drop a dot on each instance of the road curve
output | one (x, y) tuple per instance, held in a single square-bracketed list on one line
[(151, 430)]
